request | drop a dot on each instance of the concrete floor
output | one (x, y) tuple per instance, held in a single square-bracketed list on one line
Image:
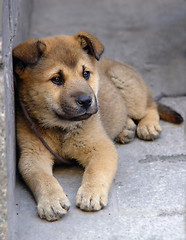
[(147, 198)]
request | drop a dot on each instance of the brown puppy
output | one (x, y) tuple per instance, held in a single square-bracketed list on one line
[(78, 105)]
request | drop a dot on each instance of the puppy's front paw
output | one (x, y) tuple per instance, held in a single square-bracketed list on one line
[(53, 207), (91, 199), (148, 130)]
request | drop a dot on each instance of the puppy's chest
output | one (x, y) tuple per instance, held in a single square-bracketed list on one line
[(69, 145)]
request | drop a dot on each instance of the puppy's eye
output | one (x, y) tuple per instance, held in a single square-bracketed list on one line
[(86, 75), (58, 80)]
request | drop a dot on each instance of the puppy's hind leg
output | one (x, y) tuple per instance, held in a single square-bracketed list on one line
[(138, 99), (148, 127), (128, 133)]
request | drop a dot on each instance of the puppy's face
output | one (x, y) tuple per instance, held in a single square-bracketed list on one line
[(57, 78)]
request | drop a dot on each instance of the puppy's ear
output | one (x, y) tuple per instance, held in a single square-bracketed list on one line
[(90, 44), (27, 53)]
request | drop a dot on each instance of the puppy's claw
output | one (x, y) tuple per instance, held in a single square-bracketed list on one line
[(149, 130), (89, 199), (53, 208), (128, 134)]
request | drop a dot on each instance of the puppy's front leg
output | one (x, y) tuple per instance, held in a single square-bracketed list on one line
[(99, 172), (36, 170)]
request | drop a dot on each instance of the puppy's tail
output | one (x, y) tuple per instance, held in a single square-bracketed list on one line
[(168, 114)]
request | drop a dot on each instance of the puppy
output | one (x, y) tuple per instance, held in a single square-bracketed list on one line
[(78, 105)]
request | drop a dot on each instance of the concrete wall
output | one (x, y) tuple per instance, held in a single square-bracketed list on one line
[(15, 28)]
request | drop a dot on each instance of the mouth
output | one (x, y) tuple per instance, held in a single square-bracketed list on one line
[(81, 117)]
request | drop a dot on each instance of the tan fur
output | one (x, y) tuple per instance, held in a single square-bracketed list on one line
[(121, 94)]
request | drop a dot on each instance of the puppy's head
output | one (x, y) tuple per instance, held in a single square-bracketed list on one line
[(57, 77)]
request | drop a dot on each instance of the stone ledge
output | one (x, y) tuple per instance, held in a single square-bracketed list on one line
[(3, 172), (15, 28)]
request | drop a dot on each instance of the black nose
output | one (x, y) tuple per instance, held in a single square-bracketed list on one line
[(84, 101)]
